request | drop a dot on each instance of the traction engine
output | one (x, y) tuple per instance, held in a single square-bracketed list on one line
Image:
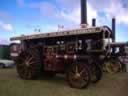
[(80, 54)]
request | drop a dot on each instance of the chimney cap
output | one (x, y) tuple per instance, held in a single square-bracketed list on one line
[(83, 25)]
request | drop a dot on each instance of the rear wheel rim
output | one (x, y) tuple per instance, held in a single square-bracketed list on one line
[(113, 66), (26, 65)]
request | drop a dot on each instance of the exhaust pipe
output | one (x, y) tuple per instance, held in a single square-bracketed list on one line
[(114, 29), (93, 22), (83, 13), (114, 33)]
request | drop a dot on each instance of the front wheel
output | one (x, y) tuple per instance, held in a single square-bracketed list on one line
[(78, 75), (96, 73)]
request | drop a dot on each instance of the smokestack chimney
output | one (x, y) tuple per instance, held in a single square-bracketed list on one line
[(93, 22), (83, 13), (113, 29)]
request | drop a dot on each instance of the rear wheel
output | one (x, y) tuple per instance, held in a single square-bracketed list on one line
[(28, 64), (123, 60), (78, 75), (113, 65)]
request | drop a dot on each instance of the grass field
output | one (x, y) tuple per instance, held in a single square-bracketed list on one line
[(12, 85)]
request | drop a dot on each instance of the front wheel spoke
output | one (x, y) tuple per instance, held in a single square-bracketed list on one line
[(26, 71), (32, 67), (34, 62), (73, 78), (27, 58), (29, 72), (76, 68), (82, 81), (84, 75), (22, 70), (20, 65), (81, 72), (30, 59), (85, 78), (21, 59), (72, 74)]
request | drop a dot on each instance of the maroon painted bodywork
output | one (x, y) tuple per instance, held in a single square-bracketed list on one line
[(15, 49)]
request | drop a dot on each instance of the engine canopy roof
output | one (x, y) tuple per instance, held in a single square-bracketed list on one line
[(73, 32)]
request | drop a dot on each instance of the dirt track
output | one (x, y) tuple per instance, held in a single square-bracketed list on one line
[(12, 85)]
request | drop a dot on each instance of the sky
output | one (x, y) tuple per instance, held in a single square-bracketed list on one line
[(18, 17)]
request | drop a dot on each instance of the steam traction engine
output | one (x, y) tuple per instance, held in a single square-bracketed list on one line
[(78, 53)]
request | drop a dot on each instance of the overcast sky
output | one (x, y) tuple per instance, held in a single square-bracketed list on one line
[(19, 17)]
